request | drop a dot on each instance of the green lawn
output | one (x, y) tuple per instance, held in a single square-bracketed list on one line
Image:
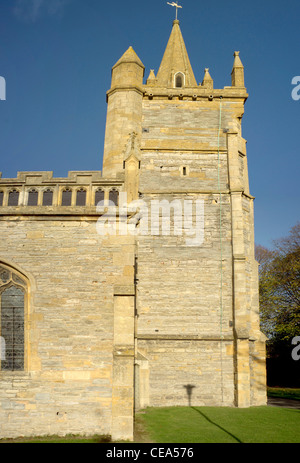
[(221, 425), (204, 425)]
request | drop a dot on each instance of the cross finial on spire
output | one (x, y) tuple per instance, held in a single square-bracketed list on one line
[(176, 6)]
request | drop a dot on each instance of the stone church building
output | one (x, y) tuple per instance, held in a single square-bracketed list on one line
[(149, 299)]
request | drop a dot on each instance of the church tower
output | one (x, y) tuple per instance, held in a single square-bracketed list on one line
[(197, 313)]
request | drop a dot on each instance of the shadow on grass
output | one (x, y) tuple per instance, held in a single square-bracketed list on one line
[(217, 425)]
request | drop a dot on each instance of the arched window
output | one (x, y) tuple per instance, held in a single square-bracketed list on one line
[(81, 197), (99, 196), (13, 198), (179, 80), (12, 314), (66, 197), (48, 198), (33, 198), (114, 197), (1, 198)]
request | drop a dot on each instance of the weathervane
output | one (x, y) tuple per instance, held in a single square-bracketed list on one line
[(176, 5)]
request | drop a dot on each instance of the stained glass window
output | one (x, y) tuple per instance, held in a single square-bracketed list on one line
[(12, 310)]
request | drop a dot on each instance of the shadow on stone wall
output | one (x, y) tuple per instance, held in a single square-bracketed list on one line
[(189, 391)]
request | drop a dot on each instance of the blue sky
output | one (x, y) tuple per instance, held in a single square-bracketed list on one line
[(56, 57)]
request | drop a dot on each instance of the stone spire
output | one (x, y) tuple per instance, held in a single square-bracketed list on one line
[(207, 80), (129, 56), (237, 74), (151, 79), (128, 69), (176, 62)]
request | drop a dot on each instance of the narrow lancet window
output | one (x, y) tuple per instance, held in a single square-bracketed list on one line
[(13, 198), (99, 196), (81, 198), (33, 198), (66, 198), (114, 197), (48, 198)]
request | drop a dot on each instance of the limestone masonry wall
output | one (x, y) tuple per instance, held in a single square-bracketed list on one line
[(67, 384)]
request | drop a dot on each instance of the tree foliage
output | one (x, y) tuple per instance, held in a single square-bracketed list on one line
[(279, 289)]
